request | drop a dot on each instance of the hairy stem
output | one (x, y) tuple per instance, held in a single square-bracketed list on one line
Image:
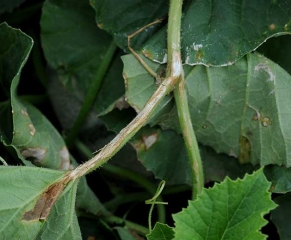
[(91, 95), (189, 138), (127, 174), (173, 75), (126, 133)]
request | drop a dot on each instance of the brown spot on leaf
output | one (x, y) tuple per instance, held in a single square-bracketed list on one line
[(24, 112), (45, 203), (36, 154), (199, 55), (147, 54), (149, 140), (245, 150), (65, 158), (31, 129), (266, 121), (100, 25), (272, 26)]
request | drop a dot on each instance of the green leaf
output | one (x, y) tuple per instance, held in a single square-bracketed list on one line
[(161, 232), (280, 177), (230, 210), (241, 110), (122, 18), (35, 137), (219, 33), (281, 215), (140, 85), (15, 47), (78, 60), (164, 153), (62, 222), (21, 188), (8, 6)]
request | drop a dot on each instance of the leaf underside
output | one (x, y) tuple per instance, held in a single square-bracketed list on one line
[(218, 33), (240, 110)]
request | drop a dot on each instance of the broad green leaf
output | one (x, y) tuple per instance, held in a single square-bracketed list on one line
[(281, 216), (8, 6), (221, 32), (122, 18), (35, 137), (280, 177), (62, 222), (229, 210), (21, 188), (241, 110), (278, 50), (161, 232), (78, 60)]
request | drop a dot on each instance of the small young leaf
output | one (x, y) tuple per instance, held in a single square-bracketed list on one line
[(21, 205), (230, 210), (281, 215), (161, 232)]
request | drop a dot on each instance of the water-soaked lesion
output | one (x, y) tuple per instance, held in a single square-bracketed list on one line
[(244, 150)]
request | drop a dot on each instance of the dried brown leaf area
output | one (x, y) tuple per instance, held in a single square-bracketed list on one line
[(45, 203)]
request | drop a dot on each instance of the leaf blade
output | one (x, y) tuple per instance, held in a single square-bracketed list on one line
[(21, 188), (221, 212), (236, 28)]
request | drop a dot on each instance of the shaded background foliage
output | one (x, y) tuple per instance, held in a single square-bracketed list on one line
[(68, 60)]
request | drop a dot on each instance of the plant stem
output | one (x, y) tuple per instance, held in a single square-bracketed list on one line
[(181, 97), (173, 43), (125, 173), (126, 133), (114, 203), (117, 220), (173, 75), (91, 95), (190, 138)]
